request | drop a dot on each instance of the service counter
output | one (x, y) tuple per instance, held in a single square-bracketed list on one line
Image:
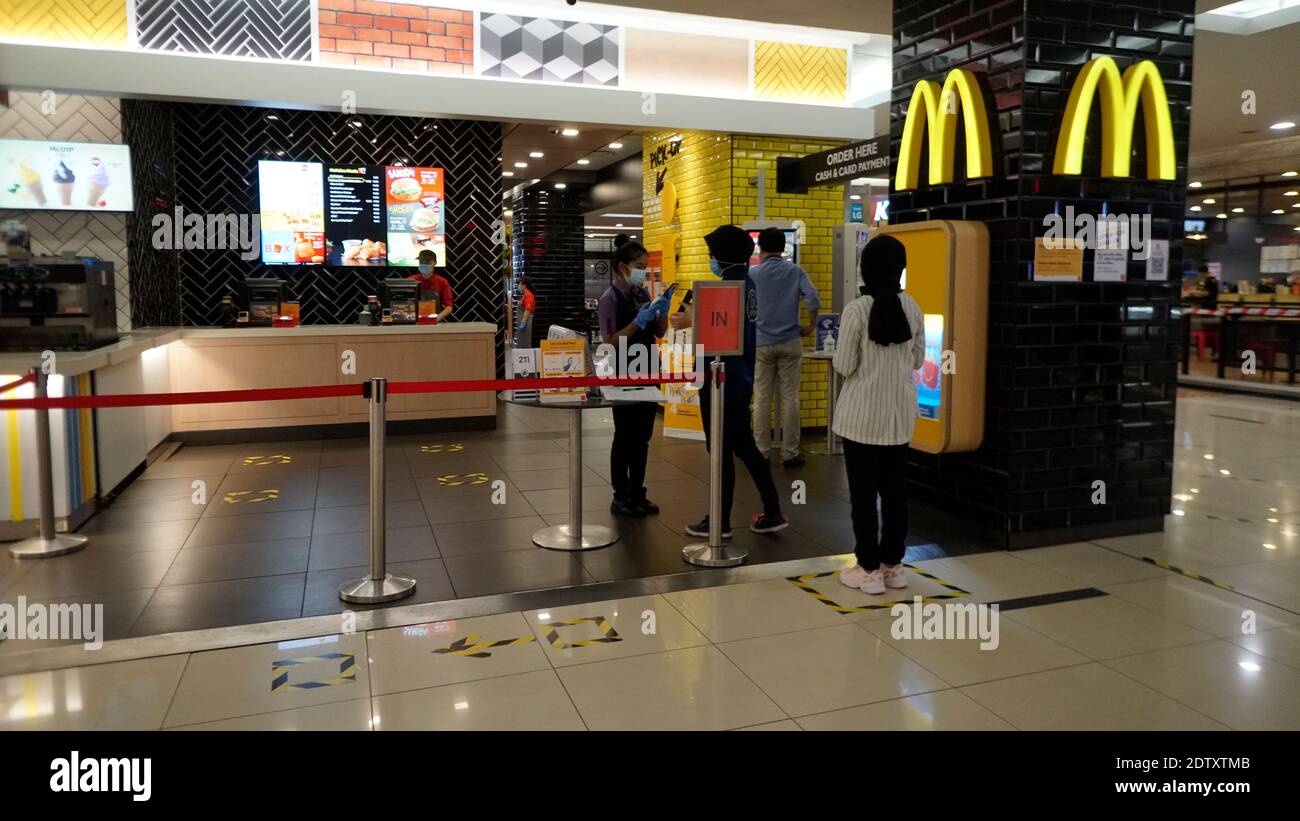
[(95, 451)]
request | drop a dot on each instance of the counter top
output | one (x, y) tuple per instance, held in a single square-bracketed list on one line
[(134, 343)]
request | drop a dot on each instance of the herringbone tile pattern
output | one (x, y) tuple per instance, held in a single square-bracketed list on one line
[(789, 71), (86, 22), (268, 29)]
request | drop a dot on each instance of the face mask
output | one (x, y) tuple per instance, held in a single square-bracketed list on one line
[(716, 268), (636, 276), (426, 269)]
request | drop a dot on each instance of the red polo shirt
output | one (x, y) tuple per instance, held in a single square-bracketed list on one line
[(438, 285), (528, 302)]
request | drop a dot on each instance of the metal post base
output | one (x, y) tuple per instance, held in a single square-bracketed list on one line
[(37, 548), (702, 555), (559, 537), (376, 591), (827, 450)]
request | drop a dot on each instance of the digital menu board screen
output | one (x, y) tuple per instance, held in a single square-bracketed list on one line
[(928, 390), (314, 213), (63, 176)]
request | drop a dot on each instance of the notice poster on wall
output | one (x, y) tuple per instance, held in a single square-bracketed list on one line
[(929, 391), (36, 174), (292, 198), (354, 215), (416, 214), (1058, 259)]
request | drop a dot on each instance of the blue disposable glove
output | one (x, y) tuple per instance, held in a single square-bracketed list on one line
[(661, 306), (646, 315)]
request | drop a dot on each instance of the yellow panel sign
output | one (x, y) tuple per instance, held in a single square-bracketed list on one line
[(1119, 102), (948, 276), (933, 111)]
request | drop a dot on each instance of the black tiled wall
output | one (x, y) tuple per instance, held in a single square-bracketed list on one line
[(547, 247), (1081, 376)]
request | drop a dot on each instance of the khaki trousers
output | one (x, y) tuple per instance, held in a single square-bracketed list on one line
[(777, 370)]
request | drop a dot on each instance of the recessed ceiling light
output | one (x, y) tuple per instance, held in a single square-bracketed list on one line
[(584, 161), (1196, 208), (1282, 126), (1221, 216), (615, 214), (507, 173), (536, 181), (1278, 211), (561, 186), (1290, 193), (616, 146), (1289, 173), (569, 132), (1208, 200), (537, 155), (521, 165), (855, 196), (1239, 210), (1196, 184), (618, 225)]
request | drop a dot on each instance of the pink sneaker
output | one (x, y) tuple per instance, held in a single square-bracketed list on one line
[(895, 576), (853, 576), (874, 583)]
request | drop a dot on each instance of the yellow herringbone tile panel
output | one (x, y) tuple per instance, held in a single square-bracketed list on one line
[(84, 22), (789, 71)]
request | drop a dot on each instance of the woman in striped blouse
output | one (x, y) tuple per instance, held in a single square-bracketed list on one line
[(881, 342)]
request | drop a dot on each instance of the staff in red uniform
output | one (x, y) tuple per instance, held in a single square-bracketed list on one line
[(431, 281)]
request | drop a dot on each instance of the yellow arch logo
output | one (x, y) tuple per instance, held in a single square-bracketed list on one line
[(1119, 102), (934, 110)]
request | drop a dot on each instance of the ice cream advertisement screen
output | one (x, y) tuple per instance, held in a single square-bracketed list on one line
[(928, 388), (35, 174), (328, 214)]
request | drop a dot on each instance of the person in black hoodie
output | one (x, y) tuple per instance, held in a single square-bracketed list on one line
[(730, 248)]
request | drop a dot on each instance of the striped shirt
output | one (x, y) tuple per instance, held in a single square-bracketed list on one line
[(877, 401)]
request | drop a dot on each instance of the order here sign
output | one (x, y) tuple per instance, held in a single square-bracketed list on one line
[(719, 321)]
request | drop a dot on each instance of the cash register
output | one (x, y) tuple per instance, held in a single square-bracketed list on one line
[(259, 301), (401, 299), (64, 303)]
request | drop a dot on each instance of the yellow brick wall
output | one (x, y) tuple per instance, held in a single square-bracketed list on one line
[(711, 173), (820, 209)]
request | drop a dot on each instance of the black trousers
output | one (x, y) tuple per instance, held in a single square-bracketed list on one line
[(633, 427), (738, 441), (877, 470)]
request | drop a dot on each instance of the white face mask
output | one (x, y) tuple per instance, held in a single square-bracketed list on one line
[(636, 276)]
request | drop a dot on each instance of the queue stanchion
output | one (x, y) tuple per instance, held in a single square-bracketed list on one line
[(48, 543), (714, 553), (380, 585)]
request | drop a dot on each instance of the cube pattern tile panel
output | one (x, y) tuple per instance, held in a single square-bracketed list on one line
[(73, 118), (75, 22), (539, 48), (267, 29), (791, 71), (396, 35)]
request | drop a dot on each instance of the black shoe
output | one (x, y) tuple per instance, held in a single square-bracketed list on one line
[(763, 523), (648, 506), (795, 462), (619, 507), (701, 529)]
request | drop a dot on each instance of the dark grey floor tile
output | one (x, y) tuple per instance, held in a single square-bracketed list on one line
[(110, 536), (239, 561), (342, 494), (477, 508), (507, 571), (432, 584), (547, 502), (242, 494), (427, 465), (164, 509), (91, 571), (536, 461), (455, 486), (221, 604), (677, 491), (121, 608), (187, 468), (645, 548), (142, 491), (487, 536), (544, 479), (353, 518), (254, 527), (352, 549)]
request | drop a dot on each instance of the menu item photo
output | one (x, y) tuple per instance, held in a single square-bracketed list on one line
[(65, 176), (416, 214), (293, 212)]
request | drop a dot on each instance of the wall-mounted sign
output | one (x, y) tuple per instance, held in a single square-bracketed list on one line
[(855, 212), (869, 158), (1158, 259), (1059, 259), (933, 112)]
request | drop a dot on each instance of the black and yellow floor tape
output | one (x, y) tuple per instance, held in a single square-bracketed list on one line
[(280, 672), (440, 448), (235, 497), (273, 459), (458, 479), (607, 631), (802, 582), (473, 646), (1191, 574)]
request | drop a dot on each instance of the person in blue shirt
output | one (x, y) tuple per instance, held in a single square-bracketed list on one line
[(779, 361), (730, 248)]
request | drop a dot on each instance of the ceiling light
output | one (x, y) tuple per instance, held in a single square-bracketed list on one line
[(521, 165), (1248, 665), (537, 155), (1290, 193), (1208, 200), (1282, 126), (1196, 208), (1239, 210), (618, 225), (616, 146), (1221, 216), (507, 173), (1195, 184), (561, 186), (614, 214), (584, 161), (1289, 173), (1209, 456), (1278, 211), (855, 196), (569, 132), (536, 181)]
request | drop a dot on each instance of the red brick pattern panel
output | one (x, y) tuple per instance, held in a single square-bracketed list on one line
[(396, 35)]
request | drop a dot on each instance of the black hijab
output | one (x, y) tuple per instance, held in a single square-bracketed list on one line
[(883, 261)]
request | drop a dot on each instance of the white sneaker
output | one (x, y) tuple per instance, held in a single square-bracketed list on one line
[(853, 576), (895, 576), (874, 583)]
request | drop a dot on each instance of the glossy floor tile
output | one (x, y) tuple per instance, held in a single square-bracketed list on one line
[(526, 701), (941, 710), (127, 695)]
